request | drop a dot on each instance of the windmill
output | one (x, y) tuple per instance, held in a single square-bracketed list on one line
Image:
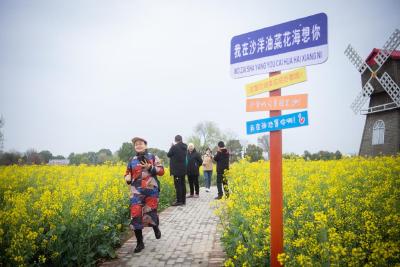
[(383, 113)]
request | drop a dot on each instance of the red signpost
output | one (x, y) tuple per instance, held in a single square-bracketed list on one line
[(273, 59), (276, 203), (276, 184)]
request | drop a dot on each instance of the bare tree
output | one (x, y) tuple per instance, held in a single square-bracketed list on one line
[(263, 142), (32, 157), (206, 134)]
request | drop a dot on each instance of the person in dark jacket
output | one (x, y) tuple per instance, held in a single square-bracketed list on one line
[(177, 155), (194, 162), (222, 159)]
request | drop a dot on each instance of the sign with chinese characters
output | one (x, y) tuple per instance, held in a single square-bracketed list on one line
[(289, 45), (277, 103), (277, 81), (292, 120)]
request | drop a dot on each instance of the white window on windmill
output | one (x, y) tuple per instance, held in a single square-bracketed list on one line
[(378, 133)]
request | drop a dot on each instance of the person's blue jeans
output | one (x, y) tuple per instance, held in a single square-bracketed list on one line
[(207, 178)]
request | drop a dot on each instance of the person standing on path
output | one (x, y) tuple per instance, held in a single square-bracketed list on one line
[(207, 168), (222, 159), (177, 155), (141, 175), (194, 162)]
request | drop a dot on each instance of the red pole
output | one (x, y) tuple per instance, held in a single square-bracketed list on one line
[(276, 208)]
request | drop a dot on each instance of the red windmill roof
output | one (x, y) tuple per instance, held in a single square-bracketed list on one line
[(370, 59)]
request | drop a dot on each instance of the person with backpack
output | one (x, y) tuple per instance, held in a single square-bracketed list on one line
[(222, 159), (194, 162)]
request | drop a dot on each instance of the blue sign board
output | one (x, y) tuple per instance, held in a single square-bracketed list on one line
[(292, 120), (284, 46)]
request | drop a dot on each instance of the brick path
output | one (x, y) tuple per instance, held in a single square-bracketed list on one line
[(189, 238)]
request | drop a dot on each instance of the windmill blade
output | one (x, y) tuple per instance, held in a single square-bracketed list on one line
[(390, 87), (362, 97), (355, 58), (391, 44), (358, 103)]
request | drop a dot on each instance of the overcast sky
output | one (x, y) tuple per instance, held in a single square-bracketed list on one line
[(78, 76)]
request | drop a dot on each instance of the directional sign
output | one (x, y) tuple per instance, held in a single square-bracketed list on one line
[(292, 120), (277, 81), (277, 103), (284, 46)]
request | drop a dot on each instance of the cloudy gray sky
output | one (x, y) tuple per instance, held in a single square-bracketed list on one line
[(78, 76)]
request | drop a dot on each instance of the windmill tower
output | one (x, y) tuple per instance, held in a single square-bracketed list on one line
[(380, 78)]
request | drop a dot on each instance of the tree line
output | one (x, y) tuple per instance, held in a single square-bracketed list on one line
[(205, 135), (102, 156)]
